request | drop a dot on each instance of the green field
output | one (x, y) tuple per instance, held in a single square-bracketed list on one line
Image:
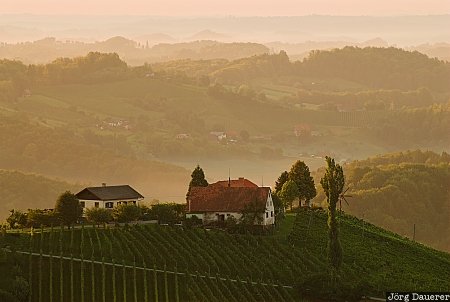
[(212, 264)]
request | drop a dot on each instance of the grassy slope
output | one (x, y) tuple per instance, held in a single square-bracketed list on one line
[(399, 190), (385, 260), (381, 259)]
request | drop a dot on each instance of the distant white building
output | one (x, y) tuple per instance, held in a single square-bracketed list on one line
[(108, 196), (220, 135)]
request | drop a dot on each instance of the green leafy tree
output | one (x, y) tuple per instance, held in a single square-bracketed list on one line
[(126, 213), (281, 180), (277, 203), (305, 183), (17, 219), (37, 218), (252, 213), (168, 212), (68, 208), (289, 192), (98, 215), (333, 184)]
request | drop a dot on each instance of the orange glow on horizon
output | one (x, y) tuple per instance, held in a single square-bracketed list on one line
[(230, 7)]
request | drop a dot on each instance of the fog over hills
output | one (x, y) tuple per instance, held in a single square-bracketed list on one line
[(399, 30)]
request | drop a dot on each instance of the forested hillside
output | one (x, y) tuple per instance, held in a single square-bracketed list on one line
[(373, 67), (379, 68), (22, 191), (48, 49), (398, 191)]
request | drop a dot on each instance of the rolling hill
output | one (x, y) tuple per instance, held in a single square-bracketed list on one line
[(402, 192), (209, 261)]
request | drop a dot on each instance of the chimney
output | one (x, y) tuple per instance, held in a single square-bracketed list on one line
[(241, 178), (103, 184)]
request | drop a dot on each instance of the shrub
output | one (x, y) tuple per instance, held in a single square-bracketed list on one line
[(37, 218), (17, 219), (192, 221), (98, 215), (126, 213)]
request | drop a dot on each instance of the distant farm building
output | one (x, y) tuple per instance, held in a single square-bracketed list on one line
[(108, 197), (223, 199), (219, 135), (302, 130)]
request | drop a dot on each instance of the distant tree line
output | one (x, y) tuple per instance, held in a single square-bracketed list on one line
[(376, 67), (368, 100), (413, 127)]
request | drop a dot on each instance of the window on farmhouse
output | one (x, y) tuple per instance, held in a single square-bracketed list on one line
[(271, 214), (96, 204), (267, 214), (82, 204), (109, 205)]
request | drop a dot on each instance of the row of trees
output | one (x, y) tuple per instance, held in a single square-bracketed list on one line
[(369, 100), (68, 212), (299, 184)]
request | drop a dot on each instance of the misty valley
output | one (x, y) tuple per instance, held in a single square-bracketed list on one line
[(177, 118)]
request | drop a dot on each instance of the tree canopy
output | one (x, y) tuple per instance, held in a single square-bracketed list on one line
[(281, 180), (197, 178), (301, 176), (126, 213), (98, 215), (289, 192), (68, 208)]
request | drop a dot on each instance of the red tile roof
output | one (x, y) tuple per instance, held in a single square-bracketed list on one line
[(240, 182), (217, 198)]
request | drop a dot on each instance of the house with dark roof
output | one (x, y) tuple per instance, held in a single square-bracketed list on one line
[(223, 199), (108, 196)]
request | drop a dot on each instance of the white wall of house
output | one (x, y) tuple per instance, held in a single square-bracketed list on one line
[(214, 216), (207, 217), (199, 215), (110, 204)]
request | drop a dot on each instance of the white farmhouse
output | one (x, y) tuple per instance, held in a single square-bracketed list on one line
[(108, 196), (224, 199)]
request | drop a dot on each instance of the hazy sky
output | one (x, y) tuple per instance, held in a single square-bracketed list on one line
[(227, 7)]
